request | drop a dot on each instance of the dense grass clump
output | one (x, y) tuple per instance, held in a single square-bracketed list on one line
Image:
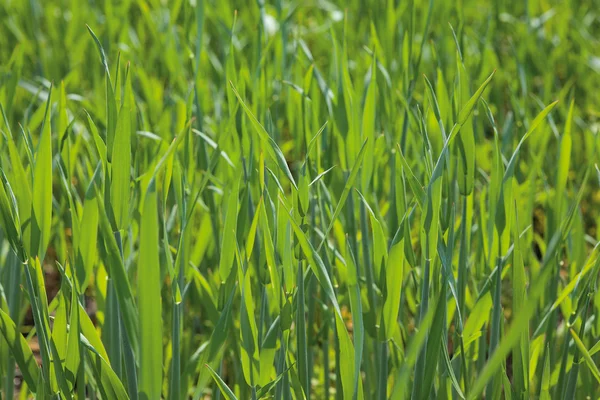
[(370, 199)]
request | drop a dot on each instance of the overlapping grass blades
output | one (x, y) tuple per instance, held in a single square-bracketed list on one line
[(206, 199)]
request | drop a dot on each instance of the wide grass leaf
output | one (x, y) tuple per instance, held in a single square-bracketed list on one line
[(394, 272), (229, 233), (42, 187), (149, 283), (121, 160), (249, 334)]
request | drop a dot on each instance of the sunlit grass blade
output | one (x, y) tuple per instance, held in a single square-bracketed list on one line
[(111, 104), (394, 272), (151, 357), (42, 188), (277, 192), (117, 272), (121, 152), (520, 363), (368, 126), (229, 233), (108, 383), (519, 324), (249, 335), (418, 340), (357, 314), (10, 219), (272, 148), (586, 355), (227, 393), (434, 343)]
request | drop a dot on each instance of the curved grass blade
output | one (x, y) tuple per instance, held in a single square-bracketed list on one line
[(109, 384), (272, 148), (20, 350), (111, 103), (227, 393), (345, 192), (346, 349)]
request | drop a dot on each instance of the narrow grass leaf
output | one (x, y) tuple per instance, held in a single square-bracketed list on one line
[(586, 355), (272, 148), (20, 350), (347, 187), (227, 393)]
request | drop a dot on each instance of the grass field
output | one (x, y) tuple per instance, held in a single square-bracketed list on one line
[(362, 199)]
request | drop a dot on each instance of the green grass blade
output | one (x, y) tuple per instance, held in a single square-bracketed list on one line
[(118, 274), (520, 361), (512, 335), (121, 152), (272, 148), (357, 315), (301, 340), (229, 233), (20, 350), (109, 385), (111, 104), (149, 282), (394, 272), (347, 187), (434, 343), (368, 127), (249, 335), (42, 188), (586, 355), (229, 395)]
